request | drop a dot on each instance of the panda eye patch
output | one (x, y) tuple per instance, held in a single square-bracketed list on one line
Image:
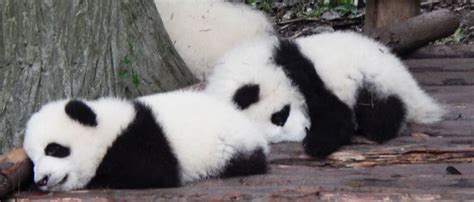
[(57, 150), (279, 118)]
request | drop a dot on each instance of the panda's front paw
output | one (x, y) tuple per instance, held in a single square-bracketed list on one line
[(319, 149), (323, 139)]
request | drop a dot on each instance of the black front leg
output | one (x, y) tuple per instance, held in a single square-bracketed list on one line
[(332, 125)]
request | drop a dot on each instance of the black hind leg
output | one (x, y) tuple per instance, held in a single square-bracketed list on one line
[(245, 164), (379, 119)]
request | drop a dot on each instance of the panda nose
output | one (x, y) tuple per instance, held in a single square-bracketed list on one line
[(43, 182)]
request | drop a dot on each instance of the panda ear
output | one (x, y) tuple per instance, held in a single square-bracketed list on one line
[(79, 111), (246, 95)]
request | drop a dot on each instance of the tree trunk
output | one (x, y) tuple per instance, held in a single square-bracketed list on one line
[(53, 49), (380, 13)]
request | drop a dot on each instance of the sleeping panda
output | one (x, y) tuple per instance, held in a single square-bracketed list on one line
[(322, 89), (163, 140), (203, 30)]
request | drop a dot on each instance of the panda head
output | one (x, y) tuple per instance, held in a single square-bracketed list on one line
[(281, 115), (59, 139), (249, 78)]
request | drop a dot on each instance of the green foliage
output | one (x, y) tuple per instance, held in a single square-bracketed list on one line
[(264, 5), (135, 79), (335, 3), (309, 8), (346, 9), (456, 37), (125, 60), (123, 73), (126, 74)]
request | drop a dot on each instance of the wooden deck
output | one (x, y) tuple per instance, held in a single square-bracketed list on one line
[(426, 162)]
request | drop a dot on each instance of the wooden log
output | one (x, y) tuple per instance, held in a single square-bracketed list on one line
[(16, 170), (381, 13), (417, 31)]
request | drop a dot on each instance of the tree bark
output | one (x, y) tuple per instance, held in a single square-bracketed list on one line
[(381, 13), (53, 49)]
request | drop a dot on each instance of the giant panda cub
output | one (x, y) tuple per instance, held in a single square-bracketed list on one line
[(163, 140), (203, 30), (322, 89)]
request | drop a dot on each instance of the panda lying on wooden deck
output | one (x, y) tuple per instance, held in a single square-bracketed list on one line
[(322, 89), (163, 140)]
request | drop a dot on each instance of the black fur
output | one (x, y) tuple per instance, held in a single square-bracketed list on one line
[(379, 119), (57, 150), (279, 118), (246, 95), (332, 121), (79, 111), (242, 164), (140, 157)]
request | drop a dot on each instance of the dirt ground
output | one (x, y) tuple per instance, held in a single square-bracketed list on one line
[(300, 19)]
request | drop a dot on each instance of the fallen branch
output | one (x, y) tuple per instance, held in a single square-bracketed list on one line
[(417, 31), (16, 170)]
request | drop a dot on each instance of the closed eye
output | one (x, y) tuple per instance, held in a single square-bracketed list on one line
[(279, 118), (57, 150)]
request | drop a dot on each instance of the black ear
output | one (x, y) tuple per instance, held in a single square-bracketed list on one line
[(79, 111), (246, 95)]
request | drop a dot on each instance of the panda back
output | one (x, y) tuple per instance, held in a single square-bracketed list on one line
[(204, 134)]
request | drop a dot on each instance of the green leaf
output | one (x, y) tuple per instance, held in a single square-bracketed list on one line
[(125, 60), (123, 73), (135, 79)]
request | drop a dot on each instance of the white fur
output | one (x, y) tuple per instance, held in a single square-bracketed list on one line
[(203, 132), (202, 30), (343, 60)]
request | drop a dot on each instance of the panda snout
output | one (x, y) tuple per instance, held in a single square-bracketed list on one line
[(43, 182)]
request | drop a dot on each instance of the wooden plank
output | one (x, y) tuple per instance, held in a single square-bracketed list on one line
[(443, 51), (440, 65), (448, 128), (303, 182), (457, 71), (445, 78), (403, 150), (454, 95)]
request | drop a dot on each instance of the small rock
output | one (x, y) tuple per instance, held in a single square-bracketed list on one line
[(287, 15), (451, 170), (330, 15), (468, 19), (322, 29)]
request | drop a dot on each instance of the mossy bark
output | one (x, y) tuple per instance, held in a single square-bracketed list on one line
[(52, 49)]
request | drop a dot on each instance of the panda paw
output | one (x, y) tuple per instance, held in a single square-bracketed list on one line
[(319, 149), (321, 140)]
